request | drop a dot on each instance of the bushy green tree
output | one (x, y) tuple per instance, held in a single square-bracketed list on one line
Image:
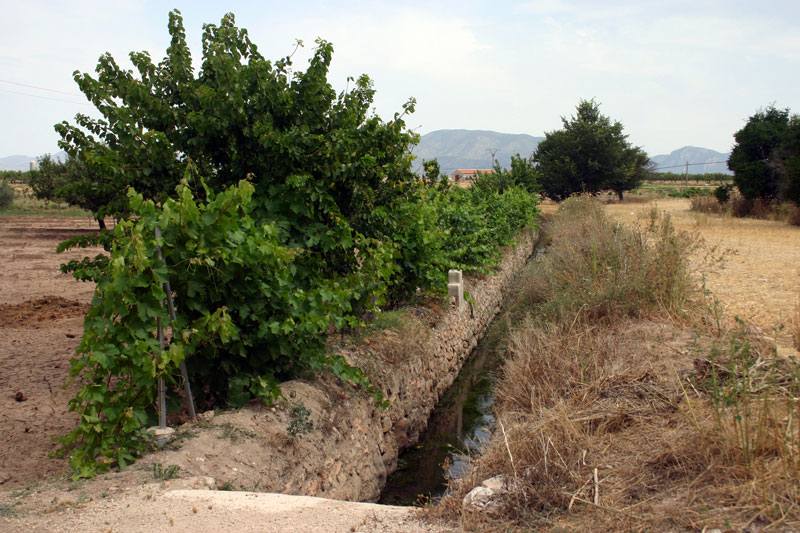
[(432, 174), (522, 173), (325, 168), (787, 161), (589, 154), (74, 182), (752, 159)]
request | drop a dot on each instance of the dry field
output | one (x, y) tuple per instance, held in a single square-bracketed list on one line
[(759, 279), (41, 322)]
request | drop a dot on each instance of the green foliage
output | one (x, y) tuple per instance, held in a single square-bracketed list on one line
[(74, 182), (6, 194), (588, 155), (690, 192), (758, 160), (17, 176), (723, 193), (709, 177), (310, 215), (432, 175), (788, 161), (478, 221), (325, 169), (246, 317), (49, 178), (164, 474), (299, 423)]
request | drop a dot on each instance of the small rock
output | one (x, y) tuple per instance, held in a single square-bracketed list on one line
[(20, 396), (161, 435), (491, 497)]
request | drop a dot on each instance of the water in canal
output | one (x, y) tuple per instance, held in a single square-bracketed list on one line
[(459, 426)]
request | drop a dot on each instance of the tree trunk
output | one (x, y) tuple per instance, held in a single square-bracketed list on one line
[(619, 193), (101, 223)]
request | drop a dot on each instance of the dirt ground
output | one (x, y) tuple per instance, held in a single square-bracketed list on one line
[(41, 323)]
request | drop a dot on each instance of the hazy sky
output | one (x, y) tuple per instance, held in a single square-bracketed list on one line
[(674, 73)]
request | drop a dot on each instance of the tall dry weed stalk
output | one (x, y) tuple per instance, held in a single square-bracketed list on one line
[(795, 327)]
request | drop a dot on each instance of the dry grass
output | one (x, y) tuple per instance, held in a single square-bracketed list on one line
[(706, 204), (612, 421), (600, 271), (794, 329), (760, 277), (739, 207)]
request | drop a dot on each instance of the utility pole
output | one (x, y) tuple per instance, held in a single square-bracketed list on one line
[(686, 176)]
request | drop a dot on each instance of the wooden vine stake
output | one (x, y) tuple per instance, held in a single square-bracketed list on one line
[(162, 405)]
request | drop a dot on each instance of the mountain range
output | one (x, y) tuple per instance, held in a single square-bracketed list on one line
[(472, 148), (480, 148), (23, 162), (701, 161), (477, 148)]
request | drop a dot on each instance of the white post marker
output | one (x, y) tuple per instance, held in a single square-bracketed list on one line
[(455, 287)]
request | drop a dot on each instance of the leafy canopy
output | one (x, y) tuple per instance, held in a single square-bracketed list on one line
[(325, 169), (589, 154), (765, 159)]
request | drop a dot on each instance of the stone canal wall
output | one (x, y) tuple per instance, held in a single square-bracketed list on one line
[(329, 439)]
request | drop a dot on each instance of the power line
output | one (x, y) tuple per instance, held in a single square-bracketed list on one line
[(46, 97), (37, 87), (682, 165)]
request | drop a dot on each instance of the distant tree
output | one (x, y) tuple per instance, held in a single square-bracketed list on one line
[(637, 167), (6, 193), (590, 154), (432, 174), (522, 173), (77, 183), (755, 159), (787, 162), (47, 179)]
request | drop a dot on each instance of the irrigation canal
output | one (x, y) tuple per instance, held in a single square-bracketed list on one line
[(458, 428)]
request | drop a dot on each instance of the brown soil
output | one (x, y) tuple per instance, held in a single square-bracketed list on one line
[(41, 322)]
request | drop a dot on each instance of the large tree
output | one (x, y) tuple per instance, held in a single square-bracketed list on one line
[(324, 167), (589, 154), (789, 161), (755, 158)]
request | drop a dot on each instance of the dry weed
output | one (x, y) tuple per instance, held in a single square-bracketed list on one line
[(610, 421), (795, 326), (706, 204)]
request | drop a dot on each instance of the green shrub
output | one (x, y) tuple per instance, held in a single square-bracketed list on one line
[(723, 193), (6, 194), (247, 317), (690, 192)]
